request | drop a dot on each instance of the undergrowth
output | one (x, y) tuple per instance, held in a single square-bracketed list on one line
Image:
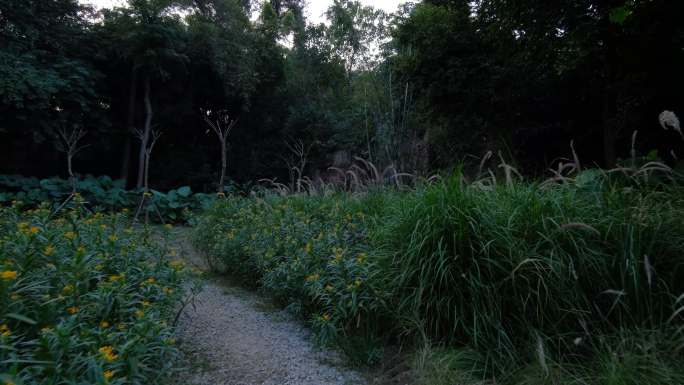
[(85, 299), (522, 283)]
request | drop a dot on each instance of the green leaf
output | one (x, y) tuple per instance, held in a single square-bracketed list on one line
[(184, 191), (21, 318), (620, 14)]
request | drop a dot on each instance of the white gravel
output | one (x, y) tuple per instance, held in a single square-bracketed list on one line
[(232, 337), (233, 340)]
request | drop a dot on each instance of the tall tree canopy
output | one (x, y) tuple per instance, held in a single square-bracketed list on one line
[(434, 84)]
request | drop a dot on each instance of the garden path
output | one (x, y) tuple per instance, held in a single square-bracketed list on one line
[(232, 336)]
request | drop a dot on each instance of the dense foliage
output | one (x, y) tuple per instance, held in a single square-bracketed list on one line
[(524, 283), (85, 299), (102, 194), (432, 85)]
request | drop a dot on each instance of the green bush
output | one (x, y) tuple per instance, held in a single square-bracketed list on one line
[(535, 280), (102, 194), (84, 299)]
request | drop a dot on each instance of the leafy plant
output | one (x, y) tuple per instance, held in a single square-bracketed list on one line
[(85, 299)]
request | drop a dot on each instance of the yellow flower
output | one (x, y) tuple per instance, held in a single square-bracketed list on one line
[(121, 326), (108, 353), (70, 235), (313, 277), (147, 194), (151, 281), (15, 296), (308, 248), (116, 277), (328, 288), (22, 225), (177, 264), (46, 330), (113, 238), (108, 374), (99, 267), (8, 275), (361, 258), (168, 226), (104, 324), (34, 230), (325, 317), (103, 227), (357, 282), (49, 249), (68, 289), (221, 195), (170, 341), (5, 331), (146, 303), (81, 249), (139, 313), (167, 290), (72, 310)]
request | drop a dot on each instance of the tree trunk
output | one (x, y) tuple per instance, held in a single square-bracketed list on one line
[(224, 166), (146, 135), (130, 127)]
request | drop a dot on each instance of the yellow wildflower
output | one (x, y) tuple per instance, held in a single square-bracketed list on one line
[(15, 296), (99, 267), (72, 310), (108, 353), (34, 230), (328, 288), (177, 264), (139, 313), (49, 249), (108, 374), (151, 281), (68, 289), (121, 326), (8, 275), (313, 277), (5, 331), (308, 248), (168, 226), (167, 290), (113, 238), (81, 249), (70, 235), (116, 277), (325, 317), (146, 303), (361, 258), (104, 324), (46, 330), (170, 341)]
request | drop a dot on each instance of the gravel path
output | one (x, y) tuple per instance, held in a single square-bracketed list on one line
[(232, 337)]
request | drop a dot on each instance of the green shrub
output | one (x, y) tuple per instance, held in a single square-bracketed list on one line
[(84, 299), (537, 281), (102, 194)]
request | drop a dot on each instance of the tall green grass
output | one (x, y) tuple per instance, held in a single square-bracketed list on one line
[(537, 283)]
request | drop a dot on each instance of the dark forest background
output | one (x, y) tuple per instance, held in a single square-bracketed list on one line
[(434, 85)]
